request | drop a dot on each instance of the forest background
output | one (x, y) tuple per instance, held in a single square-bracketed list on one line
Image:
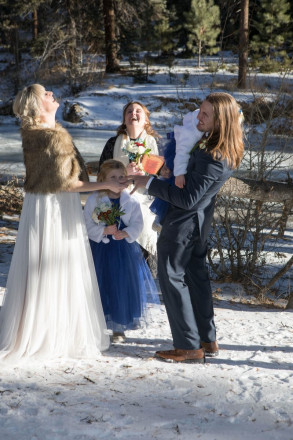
[(70, 34), (79, 43)]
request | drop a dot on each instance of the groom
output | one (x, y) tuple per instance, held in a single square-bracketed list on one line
[(182, 244)]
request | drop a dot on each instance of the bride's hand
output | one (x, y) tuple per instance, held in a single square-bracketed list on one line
[(116, 187)]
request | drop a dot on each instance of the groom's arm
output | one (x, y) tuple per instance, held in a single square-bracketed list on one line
[(198, 181)]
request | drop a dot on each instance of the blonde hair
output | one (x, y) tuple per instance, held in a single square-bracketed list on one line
[(226, 139), (27, 104), (109, 165), (148, 127)]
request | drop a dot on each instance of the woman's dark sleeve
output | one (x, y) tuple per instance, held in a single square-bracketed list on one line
[(108, 150), (83, 176)]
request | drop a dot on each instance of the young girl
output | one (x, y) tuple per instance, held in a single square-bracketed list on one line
[(176, 156), (124, 278)]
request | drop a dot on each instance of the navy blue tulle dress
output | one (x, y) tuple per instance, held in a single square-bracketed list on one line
[(125, 282), (160, 207)]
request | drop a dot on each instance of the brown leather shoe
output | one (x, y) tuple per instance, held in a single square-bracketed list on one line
[(179, 355), (210, 348)]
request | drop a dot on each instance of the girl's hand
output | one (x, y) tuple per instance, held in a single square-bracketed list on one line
[(180, 181), (119, 235), (110, 230)]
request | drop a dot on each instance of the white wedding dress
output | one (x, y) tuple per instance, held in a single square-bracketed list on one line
[(52, 307)]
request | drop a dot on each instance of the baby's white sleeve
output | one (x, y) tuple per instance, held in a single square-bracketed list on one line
[(186, 136)]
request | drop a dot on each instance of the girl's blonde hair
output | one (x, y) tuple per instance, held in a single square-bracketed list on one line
[(226, 139), (109, 165), (148, 127), (27, 104)]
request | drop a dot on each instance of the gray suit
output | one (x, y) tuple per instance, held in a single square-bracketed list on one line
[(182, 248)]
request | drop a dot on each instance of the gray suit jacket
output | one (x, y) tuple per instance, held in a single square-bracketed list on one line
[(191, 208)]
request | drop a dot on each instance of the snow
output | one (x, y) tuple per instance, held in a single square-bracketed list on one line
[(244, 393)]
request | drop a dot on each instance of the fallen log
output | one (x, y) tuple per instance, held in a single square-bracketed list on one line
[(266, 191)]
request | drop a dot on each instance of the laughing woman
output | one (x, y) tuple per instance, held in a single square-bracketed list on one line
[(52, 307), (135, 127)]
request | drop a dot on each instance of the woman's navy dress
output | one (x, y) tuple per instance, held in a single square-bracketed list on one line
[(125, 281)]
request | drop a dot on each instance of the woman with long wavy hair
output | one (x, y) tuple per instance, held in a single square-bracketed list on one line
[(52, 307)]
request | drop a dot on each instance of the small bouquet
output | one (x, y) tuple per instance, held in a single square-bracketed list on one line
[(136, 150), (108, 214)]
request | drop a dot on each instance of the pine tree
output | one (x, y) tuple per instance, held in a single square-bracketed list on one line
[(112, 61), (166, 31), (272, 23), (203, 26), (180, 6)]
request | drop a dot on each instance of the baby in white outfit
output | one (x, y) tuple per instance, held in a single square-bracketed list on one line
[(186, 136)]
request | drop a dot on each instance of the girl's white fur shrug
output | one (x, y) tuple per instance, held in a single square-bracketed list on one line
[(50, 159)]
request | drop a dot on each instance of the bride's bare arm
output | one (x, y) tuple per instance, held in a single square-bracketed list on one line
[(97, 186)]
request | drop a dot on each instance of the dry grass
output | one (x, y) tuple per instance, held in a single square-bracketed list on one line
[(11, 198)]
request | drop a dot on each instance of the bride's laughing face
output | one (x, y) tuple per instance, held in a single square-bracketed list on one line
[(135, 116), (49, 103)]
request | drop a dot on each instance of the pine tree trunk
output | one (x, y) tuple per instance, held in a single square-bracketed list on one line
[(289, 305), (14, 44), (35, 24), (199, 53), (112, 62), (243, 44), (72, 48)]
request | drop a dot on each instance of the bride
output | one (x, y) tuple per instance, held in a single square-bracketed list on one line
[(52, 305)]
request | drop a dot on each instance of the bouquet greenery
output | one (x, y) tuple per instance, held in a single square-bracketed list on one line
[(108, 214)]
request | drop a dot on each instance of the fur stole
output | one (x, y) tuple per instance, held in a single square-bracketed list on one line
[(50, 159)]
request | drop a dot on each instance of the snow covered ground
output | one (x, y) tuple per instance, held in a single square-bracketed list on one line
[(245, 393)]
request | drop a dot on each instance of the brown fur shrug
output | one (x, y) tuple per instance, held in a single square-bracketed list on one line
[(50, 159)]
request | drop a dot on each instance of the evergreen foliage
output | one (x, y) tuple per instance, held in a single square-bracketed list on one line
[(166, 30), (272, 24), (203, 26), (180, 7), (67, 33)]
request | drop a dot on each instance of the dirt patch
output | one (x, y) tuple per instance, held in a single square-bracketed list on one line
[(11, 199)]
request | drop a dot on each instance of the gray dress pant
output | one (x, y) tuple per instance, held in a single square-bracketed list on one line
[(186, 290)]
